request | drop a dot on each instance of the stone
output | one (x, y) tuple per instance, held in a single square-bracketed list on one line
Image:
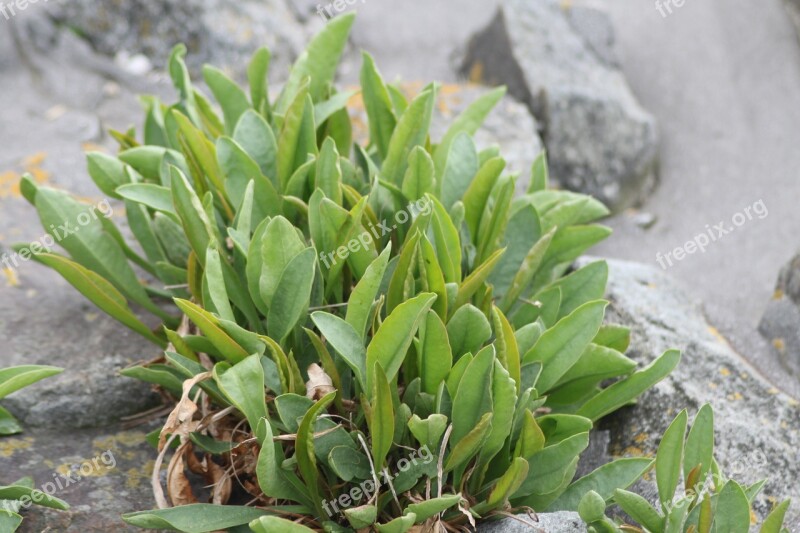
[(561, 64), (110, 475), (755, 422), (220, 32), (780, 325), (561, 522)]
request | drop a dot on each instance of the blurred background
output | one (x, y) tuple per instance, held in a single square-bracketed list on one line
[(681, 116)]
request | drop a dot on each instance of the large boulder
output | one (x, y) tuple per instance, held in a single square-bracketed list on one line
[(756, 423), (780, 324), (221, 32), (560, 61)]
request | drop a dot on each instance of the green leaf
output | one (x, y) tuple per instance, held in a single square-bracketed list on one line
[(9, 521), (381, 418), (17, 491), (361, 517), (291, 298), (477, 278), (359, 306), (8, 424), (401, 524), (639, 509), (243, 385), (230, 96), (669, 459), (508, 484), (194, 518), (429, 431), (474, 394), (272, 478), (279, 246), (432, 507), (100, 292), (435, 356), (107, 171), (553, 465), (504, 401), (256, 137), (774, 522), (210, 327), (411, 131), (461, 168), (560, 347), (346, 341), (15, 378), (540, 175), (349, 464), (467, 330), (733, 510), (622, 392), (467, 447), (605, 481), (306, 460), (506, 344), (527, 270), (318, 62), (392, 340), (468, 122), (257, 71), (478, 193), (446, 241), (273, 524), (378, 105), (297, 138), (583, 285), (420, 176), (700, 443), (196, 223)]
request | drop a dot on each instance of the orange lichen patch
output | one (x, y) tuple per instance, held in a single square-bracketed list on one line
[(715, 332), (9, 447), (92, 147), (712, 385), (735, 397), (9, 184), (773, 391), (777, 295), (11, 277), (640, 438), (725, 372), (356, 102), (34, 160), (476, 72), (744, 375), (779, 344)]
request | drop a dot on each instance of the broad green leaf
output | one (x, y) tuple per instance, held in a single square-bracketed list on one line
[(211, 328), (553, 465), (669, 459), (274, 524), (17, 491), (243, 385), (291, 298), (504, 400), (733, 510), (508, 484), (465, 449), (272, 478), (560, 347), (8, 424), (194, 518), (446, 241), (346, 341), (361, 517), (476, 279), (506, 344), (540, 175), (639, 509), (381, 418), (349, 464), (614, 337), (474, 394), (107, 172), (297, 139), (433, 506), (411, 131), (700, 443), (585, 284), (203, 151), (494, 222), (527, 271), (196, 223), (478, 193), (378, 105), (100, 292), (215, 285), (460, 171), (279, 246), (359, 305), (435, 356), (151, 195), (392, 340), (257, 71), (230, 96), (532, 439), (240, 170), (256, 137), (605, 480), (467, 330), (623, 392), (306, 460), (401, 524), (420, 177), (429, 431)]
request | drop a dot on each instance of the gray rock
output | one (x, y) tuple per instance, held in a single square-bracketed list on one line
[(221, 32), (116, 464), (561, 522), (600, 141), (780, 324), (756, 424)]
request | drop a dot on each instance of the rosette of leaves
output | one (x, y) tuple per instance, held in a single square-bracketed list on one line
[(461, 331), (14, 496), (706, 502)]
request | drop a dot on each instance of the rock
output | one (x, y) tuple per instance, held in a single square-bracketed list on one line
[(780, 324), (561, 64), (561, 522), (221, 32), (114, 467), (755, 423)]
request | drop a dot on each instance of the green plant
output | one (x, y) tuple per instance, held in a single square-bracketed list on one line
[(460, 331), (708, 502), (14, 496)]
